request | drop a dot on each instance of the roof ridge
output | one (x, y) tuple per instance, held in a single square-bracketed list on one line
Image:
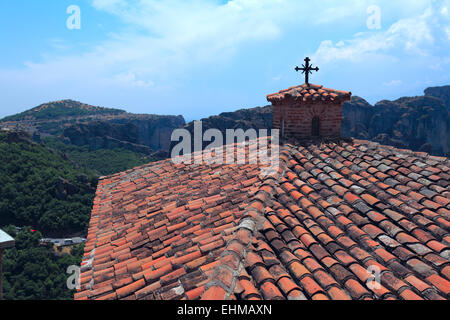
[(372, 145), (310, 93), (222, 282)]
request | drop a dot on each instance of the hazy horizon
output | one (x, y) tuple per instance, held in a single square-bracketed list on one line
[(192, 119)]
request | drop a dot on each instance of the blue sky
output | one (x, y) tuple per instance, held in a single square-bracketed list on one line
[(202, 57)]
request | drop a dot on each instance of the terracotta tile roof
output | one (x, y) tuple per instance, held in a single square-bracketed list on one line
[(309, 93), (166, 231)]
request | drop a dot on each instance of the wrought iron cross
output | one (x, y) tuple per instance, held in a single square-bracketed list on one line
[(307, 69)]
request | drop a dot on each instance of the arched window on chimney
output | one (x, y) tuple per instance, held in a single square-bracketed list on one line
[(315, 128)]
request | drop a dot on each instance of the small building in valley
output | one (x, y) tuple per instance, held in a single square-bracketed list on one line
[(6, 242)]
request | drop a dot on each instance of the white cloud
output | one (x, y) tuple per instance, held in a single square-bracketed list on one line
[(444, 11), (167, 38), (445, 8), (277, 78), (205, 30), (58, 44), (416, 35), (194, 30), (112, 6), (131, 80), (412, 36), (165, 42), (393, 83)]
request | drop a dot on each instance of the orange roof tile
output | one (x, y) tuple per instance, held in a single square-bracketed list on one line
[(167, 231), (309, 93)]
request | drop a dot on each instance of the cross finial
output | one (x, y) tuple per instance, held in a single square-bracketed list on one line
[(307, 69)]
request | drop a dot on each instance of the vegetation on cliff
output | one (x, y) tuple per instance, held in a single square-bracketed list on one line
[(32, 271), (60, 109), (41, 189), (101, 162)]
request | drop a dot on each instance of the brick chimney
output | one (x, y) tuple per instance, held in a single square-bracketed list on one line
[(308, 111)]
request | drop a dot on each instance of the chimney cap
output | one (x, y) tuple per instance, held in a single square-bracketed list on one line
[(309, 93)]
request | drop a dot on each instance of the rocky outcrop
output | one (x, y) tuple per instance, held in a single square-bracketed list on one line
[(442, 93), (138, 133), (153, 131), (356, 118), (417, 123), (97, 127), (18, 137), (254, 118), (64, 189)]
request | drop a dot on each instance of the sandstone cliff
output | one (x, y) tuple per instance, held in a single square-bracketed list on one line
[(417, 123), (139, 133), (97, 127)]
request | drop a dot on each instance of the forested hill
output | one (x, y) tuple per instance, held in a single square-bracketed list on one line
[(61, 109), (40, 188)]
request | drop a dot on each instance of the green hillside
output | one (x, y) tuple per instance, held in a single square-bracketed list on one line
[(33, 272), (61, 109), (41, 189), (102, 162)]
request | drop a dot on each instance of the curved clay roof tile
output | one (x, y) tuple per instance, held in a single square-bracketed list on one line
[(309, 93)]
